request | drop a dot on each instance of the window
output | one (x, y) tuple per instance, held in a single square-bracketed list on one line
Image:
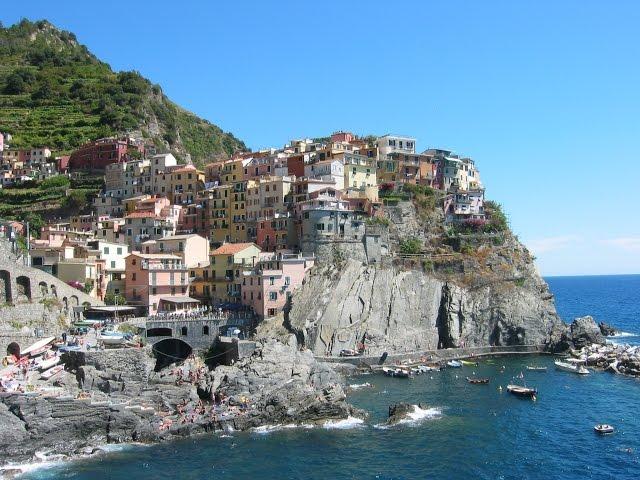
[(118, 250), (271, 280), (205, 330), (273, 296), (133, 276), (106, 250), (113, 264), (287, 280), (154, 291), (183, 331)]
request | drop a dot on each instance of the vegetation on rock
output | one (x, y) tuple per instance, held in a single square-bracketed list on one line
[(54, 92)]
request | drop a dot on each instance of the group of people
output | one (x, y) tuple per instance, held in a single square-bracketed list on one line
[(218, 408)]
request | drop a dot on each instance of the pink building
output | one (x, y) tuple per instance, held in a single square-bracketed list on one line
[(157, 282), (342, 137), (268, 286)]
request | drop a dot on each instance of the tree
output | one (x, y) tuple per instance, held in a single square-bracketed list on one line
[(114, 299)]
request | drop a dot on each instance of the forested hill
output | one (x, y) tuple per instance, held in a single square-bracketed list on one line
[(55, 92)]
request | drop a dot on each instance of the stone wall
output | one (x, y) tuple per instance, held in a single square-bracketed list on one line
[(31, 299)]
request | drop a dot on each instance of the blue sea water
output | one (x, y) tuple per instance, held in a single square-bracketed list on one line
[(466, 431)]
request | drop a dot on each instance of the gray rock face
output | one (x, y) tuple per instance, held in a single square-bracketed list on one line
[(585, 331), (124, 400), (392, 309)]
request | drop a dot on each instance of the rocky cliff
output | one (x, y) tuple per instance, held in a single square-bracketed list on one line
[(467, 290), (116, 396)]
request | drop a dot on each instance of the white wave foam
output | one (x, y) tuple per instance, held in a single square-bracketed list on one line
[(417, 416), (31, 467), (344, 424), (357, 386), (265, 429), (624, 334)]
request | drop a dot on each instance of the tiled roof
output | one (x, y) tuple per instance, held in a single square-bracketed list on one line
[(231, 248), (142, 215)]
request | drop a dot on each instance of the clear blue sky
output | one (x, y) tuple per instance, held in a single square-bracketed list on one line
[(544, 95)]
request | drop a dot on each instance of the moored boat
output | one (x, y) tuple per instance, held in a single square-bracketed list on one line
[(603, 429), (521, 391), (396, 372), (454, 363), (477, 381), (571, 367), (469, 363), (534, 368)]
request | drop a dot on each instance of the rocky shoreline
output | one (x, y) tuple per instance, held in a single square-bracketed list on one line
[(116, 397)]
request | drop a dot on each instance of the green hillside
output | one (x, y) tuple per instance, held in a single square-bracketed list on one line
[(54, 92)]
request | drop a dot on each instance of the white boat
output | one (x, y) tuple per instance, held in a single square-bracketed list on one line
[(603, 429), (570, 367), (47, 374), (113, 339), (534, 368), (454, 364), (46, 364), (37, 348)]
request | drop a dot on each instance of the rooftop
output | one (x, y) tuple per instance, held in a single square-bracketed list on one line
[(232, 248)]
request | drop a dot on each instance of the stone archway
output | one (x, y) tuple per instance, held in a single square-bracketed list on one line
[(44, 288), (5, 287), (170, 350), (23, 290), (73, 301)]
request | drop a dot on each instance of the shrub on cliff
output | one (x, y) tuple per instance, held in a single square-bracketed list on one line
[(410, 246)]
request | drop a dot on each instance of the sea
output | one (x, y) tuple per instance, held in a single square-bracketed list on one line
[(461, 431)]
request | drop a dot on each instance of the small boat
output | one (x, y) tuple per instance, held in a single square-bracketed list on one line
[(454, 363), (39, 347), (349, 353), (603, 429), (468, 363), (521, 391), (396, 372), (534, 368), (46, 364), (570, 367), (477, 381), (47, 374)]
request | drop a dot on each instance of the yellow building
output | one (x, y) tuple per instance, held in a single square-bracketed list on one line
[(186, 182), (227, 263), (219, 208), (359, 171)]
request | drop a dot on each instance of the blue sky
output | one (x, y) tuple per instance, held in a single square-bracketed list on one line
[(542, 94)]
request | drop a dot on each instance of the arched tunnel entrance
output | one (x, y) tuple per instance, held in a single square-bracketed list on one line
[(170, 350)]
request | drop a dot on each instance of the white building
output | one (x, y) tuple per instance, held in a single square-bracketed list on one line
[(395, 143), (328, 170)]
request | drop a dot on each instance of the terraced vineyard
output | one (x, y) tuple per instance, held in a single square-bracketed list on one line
[(54, 92)]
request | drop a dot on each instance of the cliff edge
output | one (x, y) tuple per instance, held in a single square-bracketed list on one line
[(459, 290)]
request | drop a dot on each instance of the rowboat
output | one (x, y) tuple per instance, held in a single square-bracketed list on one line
[(454, 364), (570, 367), (46, 364), (536, 369), (603, 429), (521, 391), (47, 374), (39, 347), (477, 381), (113, 339)]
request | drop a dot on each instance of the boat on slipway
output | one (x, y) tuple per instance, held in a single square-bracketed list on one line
[(571, 367)]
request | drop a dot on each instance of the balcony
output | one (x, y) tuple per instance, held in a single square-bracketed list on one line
[(164, 266)]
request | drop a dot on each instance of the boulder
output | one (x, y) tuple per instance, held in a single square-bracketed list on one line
[(606, 330), (585, 331)]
